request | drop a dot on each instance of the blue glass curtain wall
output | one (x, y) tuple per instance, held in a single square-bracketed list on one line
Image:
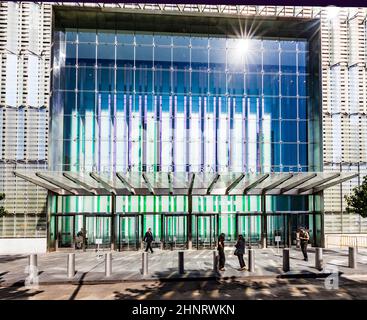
[(171, 102)]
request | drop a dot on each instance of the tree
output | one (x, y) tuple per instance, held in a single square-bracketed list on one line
[(2, 209), (357, 201)]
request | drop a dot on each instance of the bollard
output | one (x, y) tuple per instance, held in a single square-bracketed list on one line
[(352, 258), (32, 261), (318, 259), (144, 265), (71, 265), (251, 260), (108, 264), (181, 262), (286, 267)]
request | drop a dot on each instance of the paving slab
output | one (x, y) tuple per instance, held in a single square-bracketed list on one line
[(163, 266)]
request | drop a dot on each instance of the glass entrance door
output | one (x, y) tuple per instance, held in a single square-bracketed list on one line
[(174, 231), (65, 231), (277, 229), (98, 231), (204, 231), (250, 227), (129, 233)]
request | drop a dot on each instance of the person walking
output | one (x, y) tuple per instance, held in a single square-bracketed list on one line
[(240, 251), (148, 238), (304, 237), (222, 257)]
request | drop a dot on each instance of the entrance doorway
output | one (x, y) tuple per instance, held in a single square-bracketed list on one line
[(174, 231), (129, 232), (249, 225), (204, 230), (98, 231), (65, 231)]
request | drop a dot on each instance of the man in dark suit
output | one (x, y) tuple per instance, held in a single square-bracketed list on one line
[(148, 238)]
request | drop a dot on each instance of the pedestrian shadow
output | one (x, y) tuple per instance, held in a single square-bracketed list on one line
[(16, 291), (11, 258)]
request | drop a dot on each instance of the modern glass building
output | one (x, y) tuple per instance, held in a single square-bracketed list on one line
[(190, 124)]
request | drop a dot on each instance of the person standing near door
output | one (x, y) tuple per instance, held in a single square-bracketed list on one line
[(222, 257), (240, 251), (304, 237), (148, 238)]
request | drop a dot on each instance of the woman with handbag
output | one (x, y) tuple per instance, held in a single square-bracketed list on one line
[(222, 257), (240, 251)]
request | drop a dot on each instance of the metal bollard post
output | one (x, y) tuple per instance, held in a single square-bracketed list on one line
[(71, 265), (108, 264), (32, 261), (251, 260), (352, 257), (286, 266), (181, 268), (144, 265), (318, 259)]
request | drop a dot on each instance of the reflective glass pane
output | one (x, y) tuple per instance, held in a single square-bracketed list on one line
[(199, 82), (125, 80), (70, 54), (271, 107), (302, 108), (289, 131), (125, 56), (302, 62), (106, 55), (271, 61), (69, 82), (105, 79), (70, 35), (144, 39), (199, 58), (302, 129), (289, 85), (181, 41), (162, 57), (236, 83), (217, 59), (144, 56), (125, 37), (106, 36), (289, 108), (288, 62), (86, 78), (253, 84), (181, 58), (87, 36), (302, 86), (271, 84), (86, 54), (288, 45), (162, 40), (288, 154)]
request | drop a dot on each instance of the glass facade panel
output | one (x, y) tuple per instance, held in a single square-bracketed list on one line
[(169, 102)]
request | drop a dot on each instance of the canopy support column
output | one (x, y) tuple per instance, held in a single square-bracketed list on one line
[(264, 227), (189, 222), (84, 232), (113, 221), (314, 238)]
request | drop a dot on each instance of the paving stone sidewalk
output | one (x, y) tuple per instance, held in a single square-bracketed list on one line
[(163, 265)]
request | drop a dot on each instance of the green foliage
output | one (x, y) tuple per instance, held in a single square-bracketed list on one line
[(2, 209), (357, 201)]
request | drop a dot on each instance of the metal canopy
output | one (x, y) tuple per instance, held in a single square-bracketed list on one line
[(184, 183)]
